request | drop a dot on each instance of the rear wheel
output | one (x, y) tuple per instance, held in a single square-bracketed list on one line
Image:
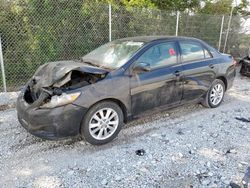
[(215, 94), (102, 123)]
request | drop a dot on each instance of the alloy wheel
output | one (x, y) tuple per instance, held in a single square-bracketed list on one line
[(103, 123), (216, 94)]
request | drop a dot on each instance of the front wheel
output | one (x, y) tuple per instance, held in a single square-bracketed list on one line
[(215, 94), (102, 123)]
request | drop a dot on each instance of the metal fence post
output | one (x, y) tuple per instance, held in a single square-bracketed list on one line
[(2, 67), (229, 24), (177, 23), (221, 30), (110, 22)]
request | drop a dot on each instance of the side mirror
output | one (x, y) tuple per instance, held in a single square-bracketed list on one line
[(141, 67)]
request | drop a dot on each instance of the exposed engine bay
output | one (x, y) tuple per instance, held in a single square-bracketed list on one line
[(57, 78)]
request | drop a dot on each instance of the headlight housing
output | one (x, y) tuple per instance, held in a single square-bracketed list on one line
[(63, 99)]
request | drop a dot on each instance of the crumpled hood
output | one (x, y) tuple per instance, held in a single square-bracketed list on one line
[(58, 73)]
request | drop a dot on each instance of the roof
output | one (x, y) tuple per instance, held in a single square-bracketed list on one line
[(153, 38)]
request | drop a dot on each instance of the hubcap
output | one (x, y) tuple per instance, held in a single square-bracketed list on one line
[(103, 123), (216, 94)]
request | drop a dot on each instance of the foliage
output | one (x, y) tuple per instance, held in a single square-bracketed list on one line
[(38, 31), (217, 7)]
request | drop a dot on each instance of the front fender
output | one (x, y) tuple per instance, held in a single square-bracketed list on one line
[(114, 87)]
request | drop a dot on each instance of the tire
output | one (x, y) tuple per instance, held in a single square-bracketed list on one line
[(208, 101), (102, 123)]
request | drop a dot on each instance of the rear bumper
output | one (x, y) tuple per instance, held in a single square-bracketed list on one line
[(230, 77), (50, 124)]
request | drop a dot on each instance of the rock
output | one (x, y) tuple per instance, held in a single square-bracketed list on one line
[(180, 132), (104, 182), (88, 169), (244, 163), (214, 135), (82, 142), (118, 178), (140, 152), (203, 171), (63, 171), (180, 155), (225, 180), (216, 151), (153, 162), (232, 151), (163, 135), (155, 135), (213, 185), (143, 169), (205, 182), (208, 164), (210, 173), (197, 172), (70, 173), (191, 152)]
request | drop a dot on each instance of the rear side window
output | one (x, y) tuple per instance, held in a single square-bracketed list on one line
[(160, 55), (191, 51)]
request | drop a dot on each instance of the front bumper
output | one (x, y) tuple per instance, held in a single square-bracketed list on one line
[(52, 123)]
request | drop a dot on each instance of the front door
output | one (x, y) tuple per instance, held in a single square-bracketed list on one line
[(160, 84)]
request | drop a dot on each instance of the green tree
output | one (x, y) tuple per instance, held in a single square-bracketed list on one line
[(216, 7)]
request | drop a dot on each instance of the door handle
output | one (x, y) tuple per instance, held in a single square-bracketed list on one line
[(177, 73), (211, 66)]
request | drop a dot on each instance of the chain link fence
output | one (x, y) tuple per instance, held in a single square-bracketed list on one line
[(36, 32)]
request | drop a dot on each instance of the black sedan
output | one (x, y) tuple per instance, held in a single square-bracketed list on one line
[(119, 81)]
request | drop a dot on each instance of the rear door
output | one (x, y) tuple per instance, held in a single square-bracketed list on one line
[(199, 69), (160, 85)]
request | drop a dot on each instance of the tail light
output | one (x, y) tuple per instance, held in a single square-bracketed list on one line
[(234, 62)]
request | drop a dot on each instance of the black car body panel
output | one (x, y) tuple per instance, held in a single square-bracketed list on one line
[(155, 88), (164, 87), (245, 66), (53, 123)]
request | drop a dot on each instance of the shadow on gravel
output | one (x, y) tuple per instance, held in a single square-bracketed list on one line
[(166, 114), (146, 120), (78, 142)]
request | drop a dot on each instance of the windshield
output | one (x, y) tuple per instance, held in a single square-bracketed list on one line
[(113, 54)]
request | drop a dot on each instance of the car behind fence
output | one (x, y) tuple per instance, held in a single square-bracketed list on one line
[(43, 31)]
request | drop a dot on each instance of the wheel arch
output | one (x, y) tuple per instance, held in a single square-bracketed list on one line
[(224, 80), (118, 102)]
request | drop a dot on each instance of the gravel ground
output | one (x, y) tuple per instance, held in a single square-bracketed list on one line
[(7, 100), (190, 146)]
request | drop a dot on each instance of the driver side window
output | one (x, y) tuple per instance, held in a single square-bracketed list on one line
[(159, 55)]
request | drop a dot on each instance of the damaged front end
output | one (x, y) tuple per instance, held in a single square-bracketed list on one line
[(57, 79), (45, 106), (245, 66)]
